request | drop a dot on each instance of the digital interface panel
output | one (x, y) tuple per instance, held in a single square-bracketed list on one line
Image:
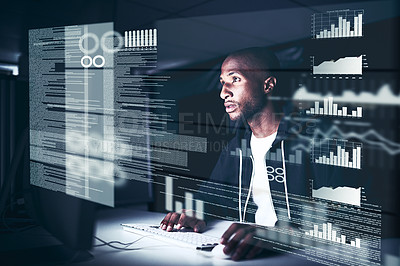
[(128, 104)]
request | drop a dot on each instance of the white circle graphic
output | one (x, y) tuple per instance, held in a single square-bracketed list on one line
[(96, 43), (102, 59), (83, 61), (111, 33)]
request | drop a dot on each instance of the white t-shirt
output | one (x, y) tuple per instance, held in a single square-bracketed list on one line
[(265, 214)]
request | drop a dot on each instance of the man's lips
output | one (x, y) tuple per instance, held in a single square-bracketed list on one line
[(230, 106)]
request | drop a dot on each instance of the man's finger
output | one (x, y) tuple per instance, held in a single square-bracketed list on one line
[(182, 221), (200, 226), (165, 221), (187, 221), (172, 221), (196, 224), (228, 233), (235, 240), (244, 246)]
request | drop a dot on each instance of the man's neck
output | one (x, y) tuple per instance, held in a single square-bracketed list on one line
[(265, 122)]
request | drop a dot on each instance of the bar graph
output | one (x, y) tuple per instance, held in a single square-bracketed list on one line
[(328, 233), (191, 206), (295, 157), (330, 108), (141, 38), (336, 153), (337, 24), (246, 151)]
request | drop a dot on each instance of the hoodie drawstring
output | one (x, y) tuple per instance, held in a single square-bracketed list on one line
[(248, 194), (240, 186), (284, 179), (243, 217)]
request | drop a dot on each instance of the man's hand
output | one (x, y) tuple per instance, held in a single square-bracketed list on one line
[(182, 220), (239, 240)]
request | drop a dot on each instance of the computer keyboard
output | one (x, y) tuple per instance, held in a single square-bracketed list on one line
[(180, 238)]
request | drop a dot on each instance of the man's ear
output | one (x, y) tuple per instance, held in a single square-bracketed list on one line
[(269, 84)]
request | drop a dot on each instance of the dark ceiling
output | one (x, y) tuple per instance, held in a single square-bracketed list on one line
[(17, 17)]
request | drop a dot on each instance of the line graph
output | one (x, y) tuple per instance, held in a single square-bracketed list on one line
[(347, 195), (370, 137), (342, 66)]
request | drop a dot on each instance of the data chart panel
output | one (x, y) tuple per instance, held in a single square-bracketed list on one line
[(336, 152), (337, 24)]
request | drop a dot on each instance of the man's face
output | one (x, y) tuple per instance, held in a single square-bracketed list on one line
[(242, 90)]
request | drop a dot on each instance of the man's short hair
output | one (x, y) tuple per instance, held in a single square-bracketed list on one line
[(258, 59)]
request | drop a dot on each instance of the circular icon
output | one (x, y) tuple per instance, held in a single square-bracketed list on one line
[(103, 61), (83, 61), (96, 43), (108, 34), (279, 178), (279, 171), (270, 177), (270, 169)]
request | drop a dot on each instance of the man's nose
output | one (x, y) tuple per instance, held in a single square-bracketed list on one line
[(225, 92)]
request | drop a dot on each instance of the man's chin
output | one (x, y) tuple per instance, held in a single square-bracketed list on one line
[(234, 116)]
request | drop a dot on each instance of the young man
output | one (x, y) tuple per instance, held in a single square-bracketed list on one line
[(247, 85)]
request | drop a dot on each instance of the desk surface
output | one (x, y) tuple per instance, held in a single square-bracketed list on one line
[(153, 252), (148, 251)]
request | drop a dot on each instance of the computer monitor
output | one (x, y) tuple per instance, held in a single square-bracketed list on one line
[(68, 220)]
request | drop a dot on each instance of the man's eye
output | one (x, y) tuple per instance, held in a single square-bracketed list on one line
[(235, 79)]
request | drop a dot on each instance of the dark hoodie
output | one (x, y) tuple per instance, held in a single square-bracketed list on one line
[(291, 178)]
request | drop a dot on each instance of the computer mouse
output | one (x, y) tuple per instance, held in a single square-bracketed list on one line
[(218, 252)]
